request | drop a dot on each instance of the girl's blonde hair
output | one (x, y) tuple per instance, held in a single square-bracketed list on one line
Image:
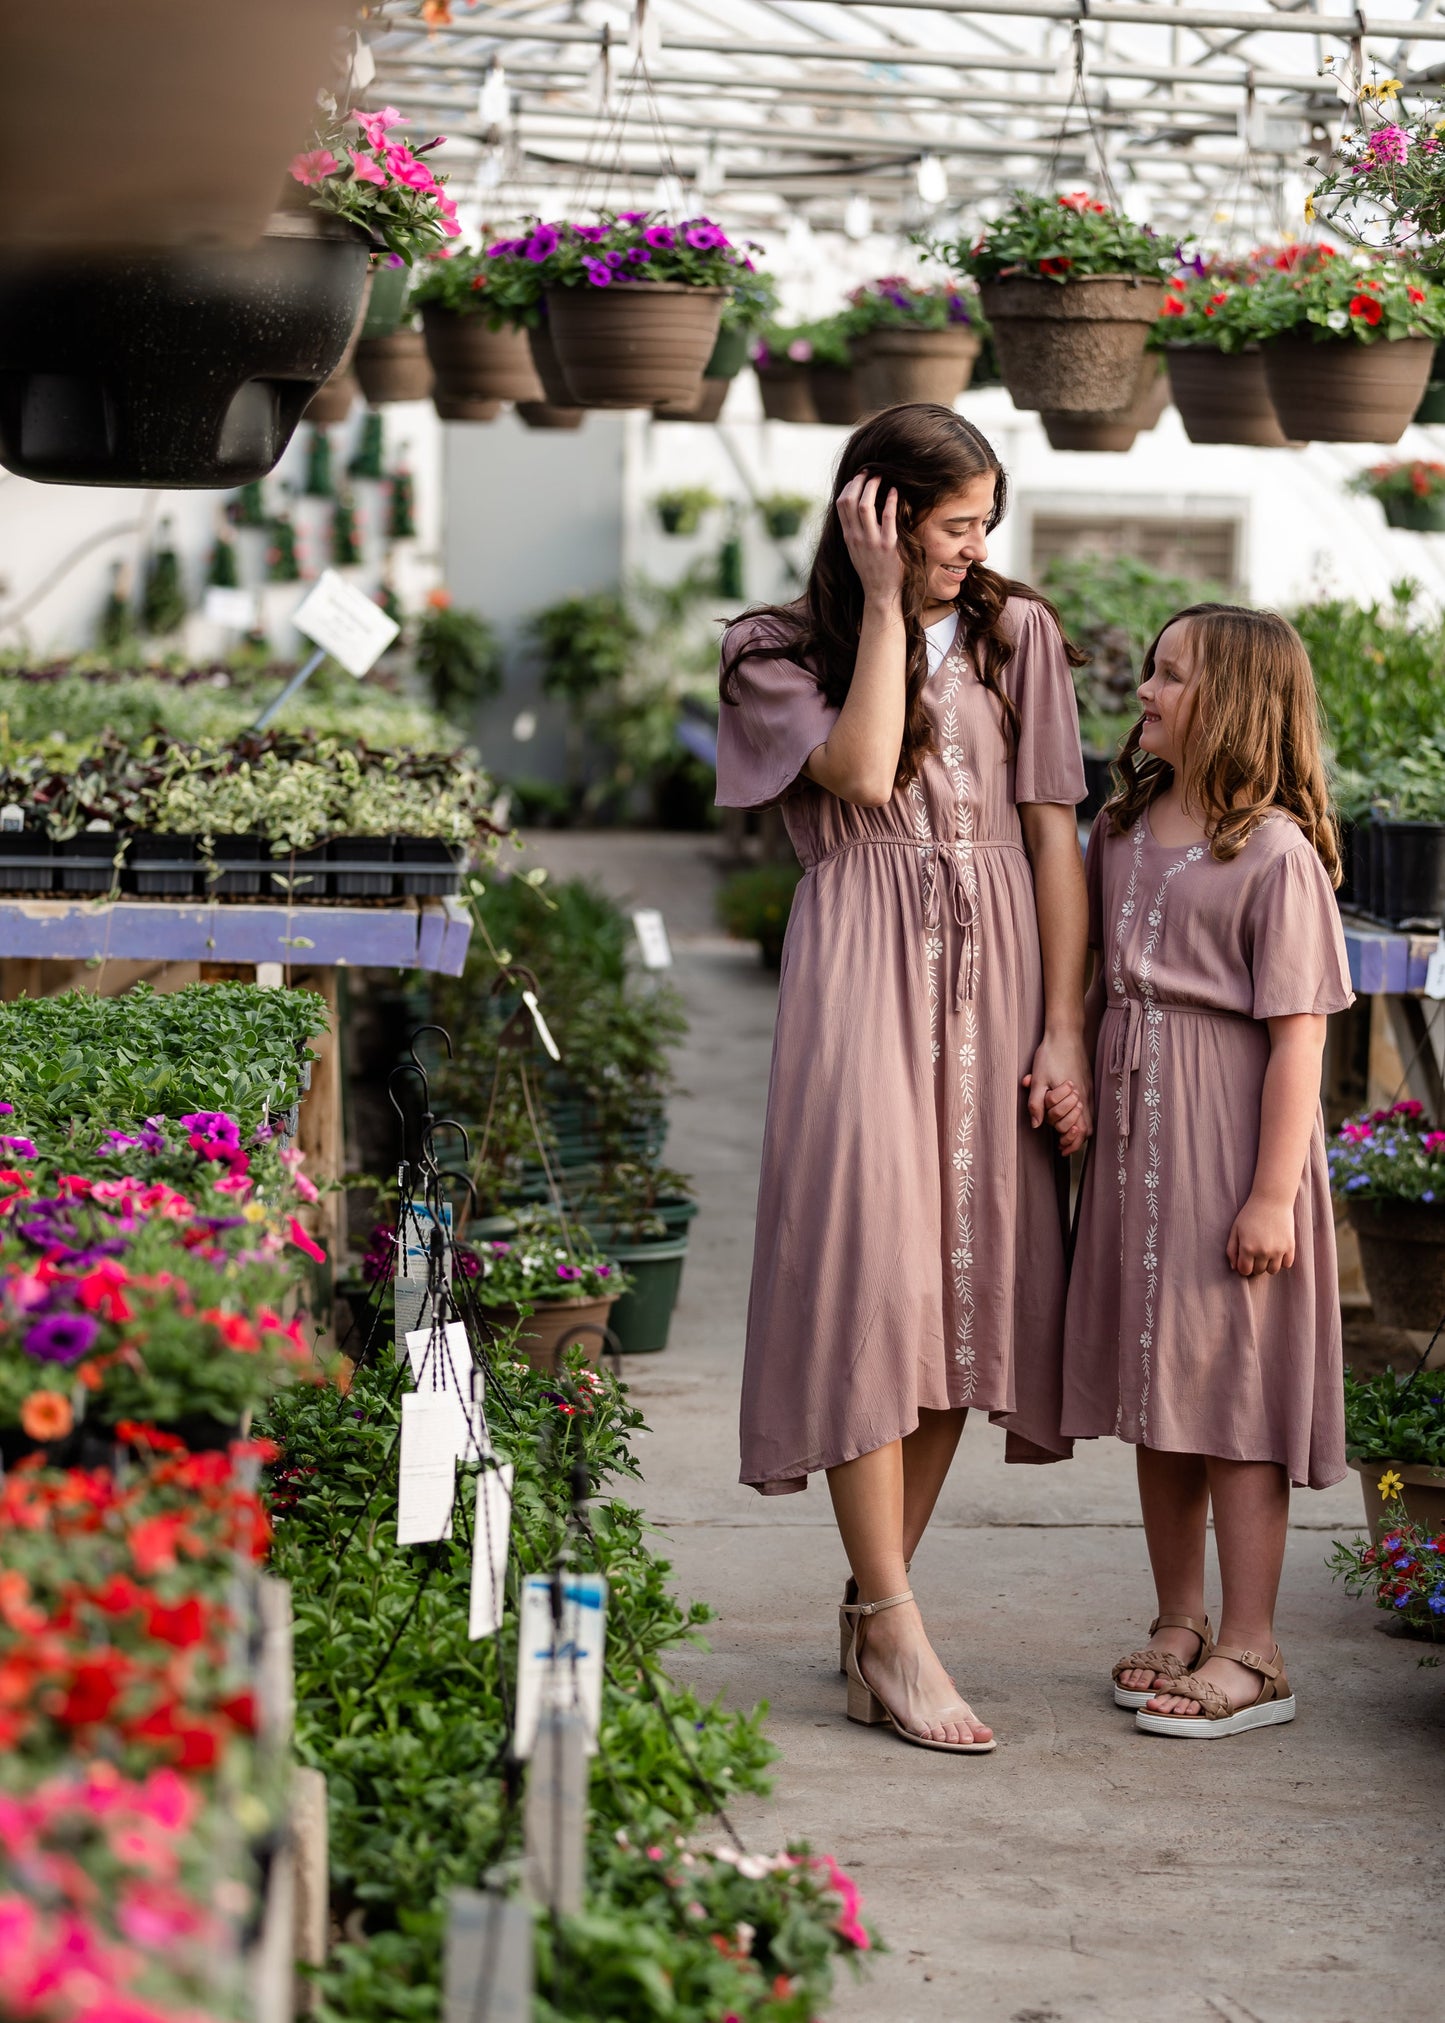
[(1254, 736)]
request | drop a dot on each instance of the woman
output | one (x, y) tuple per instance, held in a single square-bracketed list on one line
[(914, 715)]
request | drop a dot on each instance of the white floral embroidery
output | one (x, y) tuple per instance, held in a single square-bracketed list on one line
[(955, 669)]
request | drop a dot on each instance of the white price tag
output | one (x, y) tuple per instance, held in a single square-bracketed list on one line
[(235, 609), (441, 1366), (1435, 973), (544, 1031), (343, 619), (491, 1523), (652, 937), (428, 1475), (560, 1667)]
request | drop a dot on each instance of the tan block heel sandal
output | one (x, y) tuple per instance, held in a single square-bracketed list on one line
[(845, 1618), (1274, 1705), (864, 1704), (1164, 1664)]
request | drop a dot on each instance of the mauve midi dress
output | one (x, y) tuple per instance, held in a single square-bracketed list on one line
[(1166, 1347), (909, 1251)]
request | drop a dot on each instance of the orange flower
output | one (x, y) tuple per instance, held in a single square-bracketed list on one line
[(46, 1415), (439, 599)]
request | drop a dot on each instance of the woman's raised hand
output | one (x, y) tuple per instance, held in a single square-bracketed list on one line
[(872, 538)]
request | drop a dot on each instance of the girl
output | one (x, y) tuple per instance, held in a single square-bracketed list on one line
[(913, 714), (1204, 1319)]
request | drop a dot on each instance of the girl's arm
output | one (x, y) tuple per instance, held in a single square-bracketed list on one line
[(859, 761), (1262, 1239), (1051, 838), (1068, 1112)]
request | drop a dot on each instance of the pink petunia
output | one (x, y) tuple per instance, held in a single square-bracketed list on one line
[(304, 1242), (314, 167), (365, 169), (408, 171), (377, 125)]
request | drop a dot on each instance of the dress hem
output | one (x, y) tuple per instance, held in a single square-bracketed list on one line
[(1275, 1460), (789, 1481)]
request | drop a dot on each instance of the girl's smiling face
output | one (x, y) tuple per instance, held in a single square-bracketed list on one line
[(1166, 699), (953, 537)]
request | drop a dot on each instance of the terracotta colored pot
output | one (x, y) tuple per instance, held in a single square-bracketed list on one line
[(1071, 347), (547, 366), (1339, 391), (1423, 1495), (555, 1326), (543, 414), (787, 391), (332, 403), (897, 366), (474, 363), (175, 369), (1402, 1251), (394, 368), (1115, 432), (837, 394), (636, 345), (714, 393), (1223, 397), (451, 407)]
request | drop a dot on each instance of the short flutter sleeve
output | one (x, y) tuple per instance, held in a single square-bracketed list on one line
[(1049, 765), (767, 736), (1297, 951)]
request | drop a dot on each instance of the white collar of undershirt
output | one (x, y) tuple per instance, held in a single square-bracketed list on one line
[(939, 640)]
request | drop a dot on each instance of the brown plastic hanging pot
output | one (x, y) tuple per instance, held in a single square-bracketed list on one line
[(1114, 432), (473, 362), (634, 344), (900, 366), (708, 408), (1342, 391), (1071, 347), (454, 407), (394, 368), (837, 394), (547, 365), (787, 391), (1223, 396), (546, 414), (332, 403)]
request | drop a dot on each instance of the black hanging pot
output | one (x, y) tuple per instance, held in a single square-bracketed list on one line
[(185, 369)]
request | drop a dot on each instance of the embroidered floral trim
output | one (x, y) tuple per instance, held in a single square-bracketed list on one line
[(955, 667)]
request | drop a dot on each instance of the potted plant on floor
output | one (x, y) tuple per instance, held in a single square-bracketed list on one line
[(1071, 290), (1412, 494), (550, 1282), (1210, 336), (477, 346), (1395, 1436), (755, 906), (1389, 1169), (912, 342), (1403, 1566), (640, 1215), (782, 359)]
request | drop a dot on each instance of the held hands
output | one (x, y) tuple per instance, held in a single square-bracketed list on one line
[(1061, 1089), (1262, 1239), (872, 538)]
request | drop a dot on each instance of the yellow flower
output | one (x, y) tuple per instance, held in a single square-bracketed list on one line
[(1388, 87), (1390, 1484), (1309, 210), (254, 1212)]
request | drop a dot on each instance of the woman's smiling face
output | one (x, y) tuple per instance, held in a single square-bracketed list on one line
[(954, 536), (1166, 699)]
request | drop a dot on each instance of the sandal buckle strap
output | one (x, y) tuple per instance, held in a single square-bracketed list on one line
[(872, 1608)]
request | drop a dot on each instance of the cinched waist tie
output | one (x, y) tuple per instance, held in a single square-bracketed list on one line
[(1126, 1042), (943, 866)]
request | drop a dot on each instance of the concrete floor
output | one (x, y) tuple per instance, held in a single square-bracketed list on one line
[(1083, 1871)]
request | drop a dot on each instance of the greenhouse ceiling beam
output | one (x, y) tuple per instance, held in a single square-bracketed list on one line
[(889, 54), (1344, 27)]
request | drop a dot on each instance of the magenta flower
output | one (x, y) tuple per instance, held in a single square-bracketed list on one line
[(598, 273), (632, 217), (377, 125), (641, 254), (541, 246), (23, 1148), (365, 169), (7, 1109), (1389, 145), (314, 167), (568, 1271), (615, 258), (800, 351), (705, 237), (61, 1338), (591, 233), (506, 249), (213, 1124), (661, 238), (603, 1270), (408, 171)]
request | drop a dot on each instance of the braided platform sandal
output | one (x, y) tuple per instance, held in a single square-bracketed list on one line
[(1164, 1664), (1274, 1705), (864, 1704), (845, 1620)]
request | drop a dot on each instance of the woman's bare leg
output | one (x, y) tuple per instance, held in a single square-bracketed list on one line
[(1174, 1499), (868, 1502), (927, 1457), (1251, 1524)]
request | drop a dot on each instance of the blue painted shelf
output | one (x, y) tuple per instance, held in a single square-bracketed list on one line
[(427, 934), (1386, 959)]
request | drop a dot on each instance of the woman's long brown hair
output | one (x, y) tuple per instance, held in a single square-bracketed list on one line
[(926, 454), (1253, 736)]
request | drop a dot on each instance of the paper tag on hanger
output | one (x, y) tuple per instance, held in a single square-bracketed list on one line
[(1435, 972), (544, 1034), (652, 937), (560, 1665), (441, 1366), (427, 1477), (491, 1527)]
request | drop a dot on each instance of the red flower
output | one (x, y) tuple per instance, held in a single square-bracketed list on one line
[(1366, 308), (240, 1709), (153, 1542), (1416, 294), (94, 1690), (1059, 266), (1173, 307), (182, 1624), (135, 1434), (304, 1242)]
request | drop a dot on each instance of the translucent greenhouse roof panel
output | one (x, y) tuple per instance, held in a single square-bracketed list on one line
[(1200, 117)]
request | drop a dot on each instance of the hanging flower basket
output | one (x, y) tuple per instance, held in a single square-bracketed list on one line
[(893, 366), (786, 389), (387, 301), (634, 346), (707, 409), (394, 368), (548, 366), (546, 414), (1344, 392), (837, 392), (1223, 397), (729, 354), (473, 362), (1114, 432), (454, 407), (332, 403), (183, 370), (1389, 1168), (1412, 494)]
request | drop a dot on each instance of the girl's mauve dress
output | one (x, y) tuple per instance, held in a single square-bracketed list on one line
[(909, 1252), (1166, 1346)]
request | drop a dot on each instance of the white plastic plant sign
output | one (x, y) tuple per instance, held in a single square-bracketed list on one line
[(491, 1528), (560, 1666), (343, 619)]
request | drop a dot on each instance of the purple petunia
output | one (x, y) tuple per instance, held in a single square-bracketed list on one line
[(704, 238), (7, 1109), (632, 217), (23, 1148), (214, 1124), (568, 1271), (603, 1270), (661, 238), (640, 254), (506, 249), (598, 273), (591, 233), (615, 258), (61, 1338), (541, 246)]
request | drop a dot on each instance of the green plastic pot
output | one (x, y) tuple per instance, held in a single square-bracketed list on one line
[(729, 355), (388, 292), (642, 1317), (1423, 516), (677, 1211)]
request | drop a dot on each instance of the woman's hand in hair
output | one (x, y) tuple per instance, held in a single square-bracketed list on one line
[(871, 533)]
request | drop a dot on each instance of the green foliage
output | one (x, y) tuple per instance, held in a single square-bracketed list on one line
[(116, 628), (1392, 1418), (345, 547), (1112, 610), (505, 291), (223, 571), (401, 507), (1061, 238), (82, 1060), (783, 513), (894, 303), (247, 507), (1366, 298), (458, 658), (681, 511), (370, 448), (163, 600), (1415, 479), (584, 642), (755, 905), (319, 482), (1379, 669), (281, 563)]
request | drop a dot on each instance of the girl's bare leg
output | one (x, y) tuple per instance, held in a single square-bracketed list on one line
[(927, 1457), (1174, 1499), (1251, 1523)]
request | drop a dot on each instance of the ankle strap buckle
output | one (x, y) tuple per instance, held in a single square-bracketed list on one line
[(872, 1608)]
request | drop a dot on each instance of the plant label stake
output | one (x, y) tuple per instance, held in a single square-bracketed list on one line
[(559, 1663), (544, 1032), (1435, 971), (490, 1530), (487, 1975), (340, 620), (652, 937), (427, 1478), (555, 1819), (233, 609)]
